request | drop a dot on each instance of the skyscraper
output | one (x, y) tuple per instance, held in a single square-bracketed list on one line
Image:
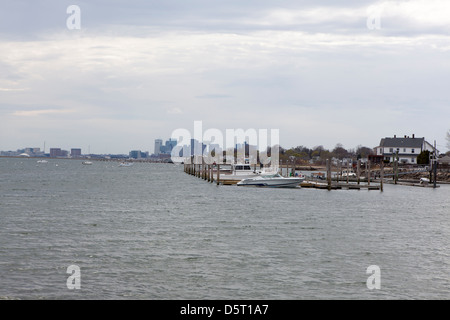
[(170, 144), (158, 144)]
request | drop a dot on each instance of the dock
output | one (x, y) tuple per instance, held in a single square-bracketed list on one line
[(216, 173), (221, 175), (337, 186)]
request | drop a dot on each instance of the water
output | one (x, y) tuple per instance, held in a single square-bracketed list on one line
[(153, 232)]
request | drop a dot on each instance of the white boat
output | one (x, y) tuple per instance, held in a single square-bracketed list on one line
[(350, 174), (240, 171), (125, 164), (42, 161), (87, 163), (272, 180)]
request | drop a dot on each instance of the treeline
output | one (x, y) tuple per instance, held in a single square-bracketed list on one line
[(319, 154)]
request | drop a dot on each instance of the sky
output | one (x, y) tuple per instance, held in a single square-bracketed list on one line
[(123, 73)]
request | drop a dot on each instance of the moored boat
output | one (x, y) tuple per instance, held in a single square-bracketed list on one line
[(272, 180)]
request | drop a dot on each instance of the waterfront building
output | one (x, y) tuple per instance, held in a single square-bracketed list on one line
[(407, 148)]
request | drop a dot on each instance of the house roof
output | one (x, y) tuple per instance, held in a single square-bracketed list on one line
[(445, 159), (402, 142)]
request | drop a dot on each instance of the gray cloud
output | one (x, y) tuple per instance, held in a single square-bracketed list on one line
[(139, 69)]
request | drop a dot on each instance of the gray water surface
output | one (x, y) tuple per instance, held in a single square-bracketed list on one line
[(153, 232)]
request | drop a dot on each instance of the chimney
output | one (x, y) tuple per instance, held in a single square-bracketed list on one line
[(413, 135), (395, 136), (405, 135)]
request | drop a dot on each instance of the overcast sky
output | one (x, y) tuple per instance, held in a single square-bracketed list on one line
[(322, 72)]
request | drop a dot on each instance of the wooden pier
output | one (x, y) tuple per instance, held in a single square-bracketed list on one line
[(338, 186), (216, 174)]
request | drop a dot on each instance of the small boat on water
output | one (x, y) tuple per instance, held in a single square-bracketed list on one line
[(42, 161), (125, 164), (87, 163), (272, 180)]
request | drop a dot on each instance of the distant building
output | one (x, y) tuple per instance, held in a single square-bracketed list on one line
[(55, 152), (170, 144), (197, 148), (135, 154), (74, 153), (444, 160), (32, 151), (407, 148), (158, 145), (58, 153)]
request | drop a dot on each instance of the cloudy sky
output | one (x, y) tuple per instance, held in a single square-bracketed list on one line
[(322, 72)]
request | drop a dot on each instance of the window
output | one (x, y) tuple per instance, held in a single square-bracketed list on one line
[(404, 149), (391, 150), (412, 150), (412, 160)]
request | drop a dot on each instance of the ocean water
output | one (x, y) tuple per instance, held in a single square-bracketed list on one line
[(151, 231)]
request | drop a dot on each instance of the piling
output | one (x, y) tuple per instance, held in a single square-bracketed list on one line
[(338, 170), (358, 171), (435, 165), (348, 171), (329, 173), (218, 174)]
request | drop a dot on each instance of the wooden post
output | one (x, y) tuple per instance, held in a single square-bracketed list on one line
[(348, 171), (381, 175), (338, 170), (435, 165), (358, 170), (287, 168), (368, 172), (218, 174), (294, 167), (204, 169), (329, 173), (396, 168)]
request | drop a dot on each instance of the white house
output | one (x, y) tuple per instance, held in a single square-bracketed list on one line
[(408, 148)]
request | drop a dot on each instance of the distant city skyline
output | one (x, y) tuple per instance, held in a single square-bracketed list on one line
[(131, 72)]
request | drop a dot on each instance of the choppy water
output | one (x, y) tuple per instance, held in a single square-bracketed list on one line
[(153, 232)]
